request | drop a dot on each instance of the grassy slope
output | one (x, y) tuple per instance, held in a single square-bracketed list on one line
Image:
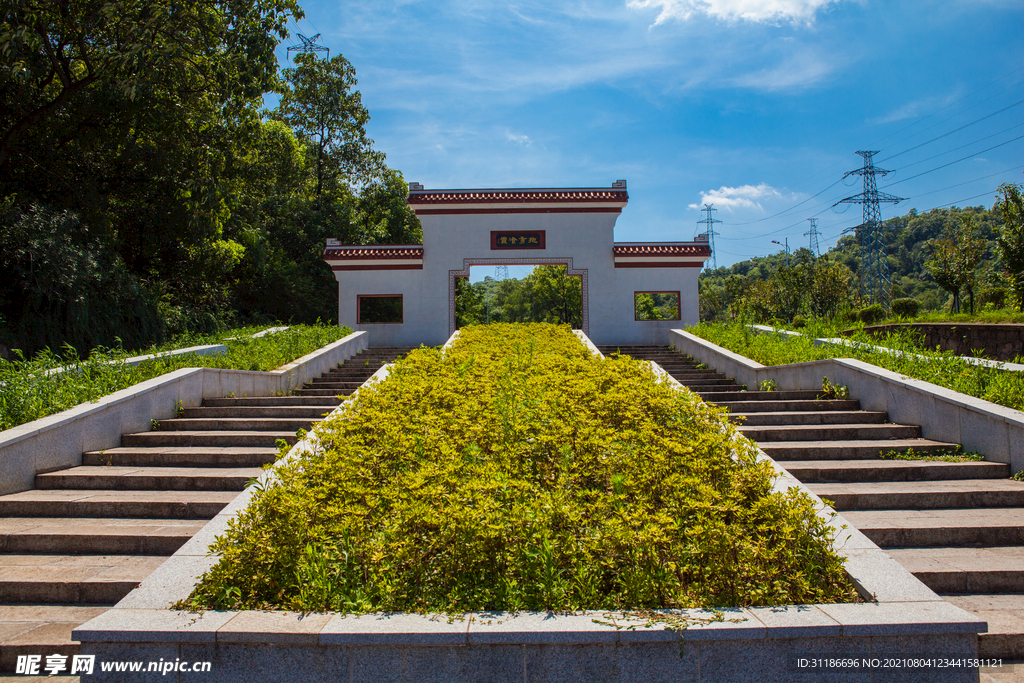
[(938, 367), (28, 393)]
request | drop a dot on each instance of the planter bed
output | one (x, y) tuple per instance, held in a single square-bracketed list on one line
[(552, 636)]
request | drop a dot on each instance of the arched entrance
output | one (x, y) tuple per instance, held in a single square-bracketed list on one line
[(467, 263)]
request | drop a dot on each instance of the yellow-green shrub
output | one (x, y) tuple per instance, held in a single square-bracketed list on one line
[(516, 471)]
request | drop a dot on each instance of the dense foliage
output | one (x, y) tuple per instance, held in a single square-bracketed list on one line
[(517, 471), (765, 288), (546, 295), (144, 191), (943, 368), (30, 389)]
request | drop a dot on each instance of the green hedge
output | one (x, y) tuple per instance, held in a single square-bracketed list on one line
[(516, 471)]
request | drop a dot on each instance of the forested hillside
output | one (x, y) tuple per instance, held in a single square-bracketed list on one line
[(144, 189), (911, 243)]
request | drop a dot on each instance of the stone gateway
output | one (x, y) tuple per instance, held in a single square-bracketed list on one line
[(404, 294)]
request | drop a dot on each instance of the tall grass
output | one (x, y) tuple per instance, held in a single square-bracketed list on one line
[(28, 391), (943, 368)]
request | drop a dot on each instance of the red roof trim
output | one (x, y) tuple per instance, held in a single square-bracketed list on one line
[(372, 252), (661, 250), (516, 196), (539, 209), (659, 264)]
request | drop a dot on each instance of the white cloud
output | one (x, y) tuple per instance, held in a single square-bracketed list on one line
[(521, 140), (915, 108), (744, 196), (760, 11)]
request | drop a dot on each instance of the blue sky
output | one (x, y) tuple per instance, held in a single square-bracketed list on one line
[(756, 106)]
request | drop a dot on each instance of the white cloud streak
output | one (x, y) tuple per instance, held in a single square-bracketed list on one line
[(758, 11), (742, 197)]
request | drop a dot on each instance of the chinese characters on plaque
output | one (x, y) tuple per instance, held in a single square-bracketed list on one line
[(519, 239)]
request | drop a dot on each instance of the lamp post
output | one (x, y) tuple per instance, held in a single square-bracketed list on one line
[(786, 246)]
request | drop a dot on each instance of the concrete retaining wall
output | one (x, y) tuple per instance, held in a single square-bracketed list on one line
[(994, 431), (759, 644), (1001, 341), (58, 441)]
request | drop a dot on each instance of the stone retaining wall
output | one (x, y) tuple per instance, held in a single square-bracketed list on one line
[(993, 430), (996, 341)]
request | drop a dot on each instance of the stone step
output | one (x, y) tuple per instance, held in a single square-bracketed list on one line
[(248, 424), (96, 536), (811, 417), (149, 478), (860, 449), (1005, 617), (207, 438), (141, 504), (326, 392), (72, 579), (336, 382), (689, 375), (40, 630), (702, 389), (290, 412), (272, 401), (830, 432), (920, 495), (711, 382), (181, 456), (785, 406), (940, 527), (821, 471), (965, 570), (730, 396)]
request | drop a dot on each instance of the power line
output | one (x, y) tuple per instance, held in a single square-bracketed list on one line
[(948, 151), (955, 130), (952, 104), (970, 156)]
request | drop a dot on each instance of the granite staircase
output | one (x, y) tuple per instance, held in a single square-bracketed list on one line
[(957, 526), (86, 536)]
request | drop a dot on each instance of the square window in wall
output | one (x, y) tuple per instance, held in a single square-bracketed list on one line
[(656, 305), (377, 309)]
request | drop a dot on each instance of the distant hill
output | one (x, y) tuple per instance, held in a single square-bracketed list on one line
[(909, 245)]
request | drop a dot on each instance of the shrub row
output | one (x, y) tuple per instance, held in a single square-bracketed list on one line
[(943, 368), (516, 471), (28, 392)]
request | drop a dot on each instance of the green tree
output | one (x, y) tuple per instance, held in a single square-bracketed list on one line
[(955, 260), (320, 104), (1011, 239)]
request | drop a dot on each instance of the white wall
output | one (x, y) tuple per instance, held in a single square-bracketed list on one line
[(585, 238)]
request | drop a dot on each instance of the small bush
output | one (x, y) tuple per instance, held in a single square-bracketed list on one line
[(872, 314), (906, 308), (799, 322)]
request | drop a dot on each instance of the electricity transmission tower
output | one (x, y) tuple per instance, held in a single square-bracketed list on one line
[(500, 273), (874, 268), (813, 237), (308, 45), (709, 230)]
